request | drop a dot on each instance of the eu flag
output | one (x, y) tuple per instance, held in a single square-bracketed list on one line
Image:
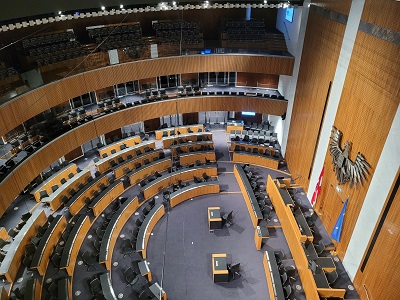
[(337, 229)]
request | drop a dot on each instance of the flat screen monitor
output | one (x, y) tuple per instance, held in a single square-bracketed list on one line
[(289, 14), (248, 113)]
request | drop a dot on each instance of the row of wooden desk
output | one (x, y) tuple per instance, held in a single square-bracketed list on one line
[(299, 244), (185, 138), (54, 179), (166, 180), (104, 165), (132, 163), (243, 146), (249, 197), (256, 159), (54, 199), (116, 146), (192, 147), (171, 131)]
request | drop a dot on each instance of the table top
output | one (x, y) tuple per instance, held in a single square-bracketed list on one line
[(219, 262), (155, 289), (143, 267), (262, 231), (214, 212)]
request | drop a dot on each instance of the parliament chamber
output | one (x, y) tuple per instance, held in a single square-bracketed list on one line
[(230, 150)]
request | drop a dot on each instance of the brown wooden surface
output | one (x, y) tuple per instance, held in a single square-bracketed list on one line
[(342, 6), (130, 142), (120, 170), (74, 154), (116, 132), (155, 187), (112, 194), (74, 251), (194, 192), (30, 104), (50, 244), (168, 141), (254, 159), (268, 276), (192, 157), (190, 118), (150, 169), (154, 219), (380, 269), (16, 250), (384, 13), (258, 80), (37, 162), (322, 45), (373, 100), (180, 129), (245, 146)]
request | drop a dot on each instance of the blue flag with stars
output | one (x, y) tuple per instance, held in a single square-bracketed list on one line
[(337, 229)]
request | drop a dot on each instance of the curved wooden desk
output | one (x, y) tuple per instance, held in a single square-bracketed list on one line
[(194, 190), (100, 203), (119, 170), (245, 146), (154, 187), (73, 244), (41, 258), (77, 201), (104, 163), (14, 256), (106, 287), (255, 159), (54, 200), (192, 157), (144, 171), (33, 289), (145, 230), (179, 129), (248, 195), (197, 146), (52, 180), (193, 137), (117, 222), (130, 142)]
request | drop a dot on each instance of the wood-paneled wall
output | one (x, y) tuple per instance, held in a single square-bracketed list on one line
[(30, 104), (321, 50), (342, 6), (367, 107), (384, 13), (378, 276), (261, 80), (36, 163), (74, 154)]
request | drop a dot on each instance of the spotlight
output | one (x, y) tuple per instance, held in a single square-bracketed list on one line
[(173, 3), (60, 12), (103, 8), (121, 6), (265, 1)]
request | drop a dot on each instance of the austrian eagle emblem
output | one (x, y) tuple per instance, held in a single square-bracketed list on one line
[(345, 169)]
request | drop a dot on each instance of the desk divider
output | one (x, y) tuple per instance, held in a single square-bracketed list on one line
[(115, 225)]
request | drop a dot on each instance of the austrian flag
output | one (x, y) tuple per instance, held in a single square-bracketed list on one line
[(317, 188)]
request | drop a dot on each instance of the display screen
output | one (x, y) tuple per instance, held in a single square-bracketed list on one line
[(248, 113), (289, 14)]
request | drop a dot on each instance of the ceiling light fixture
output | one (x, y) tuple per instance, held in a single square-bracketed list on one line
[(103, 8)]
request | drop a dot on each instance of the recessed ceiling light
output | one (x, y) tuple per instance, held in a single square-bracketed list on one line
[(103, 8), (121, 6)]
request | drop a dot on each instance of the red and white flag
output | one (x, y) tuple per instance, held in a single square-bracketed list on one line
[(317, 188)]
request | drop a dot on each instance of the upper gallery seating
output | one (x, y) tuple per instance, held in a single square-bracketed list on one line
[(118, 36), (251, 34), (52, 48), (171, 32)]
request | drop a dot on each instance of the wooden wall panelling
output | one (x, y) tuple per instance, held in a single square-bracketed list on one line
[(378, 271), (152, 124), (192, 118), (74, 154), (365, 114), (189, 77), (384, 13), (111, 134), (321, 50), (94, 80), (342, 6), (147, 81), (36, 163), (262, 80)]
